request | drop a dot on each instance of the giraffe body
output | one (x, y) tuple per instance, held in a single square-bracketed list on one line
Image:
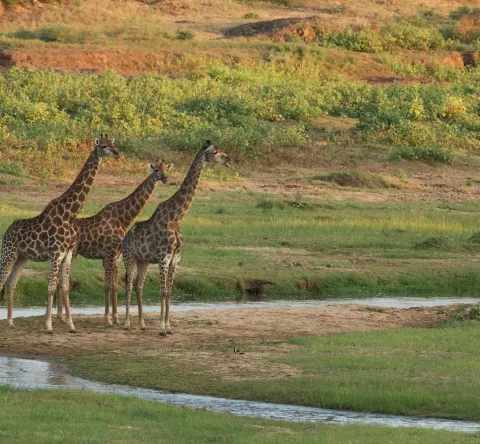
[(100, 236), (50, 236), (158, 240)]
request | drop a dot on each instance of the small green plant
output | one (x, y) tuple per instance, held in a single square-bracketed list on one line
[(185, 35), (297, 202), (435, 153), (251, 15), (13, 168), (266, 203), (11, 3), (440, 243), (466, 313)]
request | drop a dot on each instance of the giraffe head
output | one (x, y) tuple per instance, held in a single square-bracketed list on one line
[(160, 170), (213, 155), (105, 147)]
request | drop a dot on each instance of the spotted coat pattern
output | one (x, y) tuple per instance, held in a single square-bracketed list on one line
[(158, 240), (51, 236), (100, 236)]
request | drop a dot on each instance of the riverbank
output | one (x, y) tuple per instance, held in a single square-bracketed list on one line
[(415, 361)]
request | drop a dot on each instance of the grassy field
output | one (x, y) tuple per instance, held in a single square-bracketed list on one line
[(76, 416), (419, 372), (303, 247)]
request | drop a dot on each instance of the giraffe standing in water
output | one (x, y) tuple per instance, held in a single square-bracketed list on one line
[(158, 240), (100, 236), (51, 236)]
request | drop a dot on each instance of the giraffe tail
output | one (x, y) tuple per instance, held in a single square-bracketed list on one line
[(134, 281), (2, 295)]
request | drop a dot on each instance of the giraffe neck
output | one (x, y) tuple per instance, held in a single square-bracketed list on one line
[(72, 200), (127, 209), (176, 208)]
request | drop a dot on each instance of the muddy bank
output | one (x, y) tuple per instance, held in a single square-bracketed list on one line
[(29, 339)]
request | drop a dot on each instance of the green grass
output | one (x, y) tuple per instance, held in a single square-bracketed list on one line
[(307, 248), (420, 372), (80, 416)]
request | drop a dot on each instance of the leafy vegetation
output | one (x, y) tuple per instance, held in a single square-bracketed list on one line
[(246, 110)]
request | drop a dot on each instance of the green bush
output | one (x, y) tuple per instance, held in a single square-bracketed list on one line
[(399, 36), (434, 153), (13, 168), (251, 15), (185, 35), (11, 3)]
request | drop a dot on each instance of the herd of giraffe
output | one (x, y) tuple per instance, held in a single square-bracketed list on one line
[(57, 236)]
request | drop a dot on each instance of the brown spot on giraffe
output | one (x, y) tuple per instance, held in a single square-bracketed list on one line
[(159, 241)]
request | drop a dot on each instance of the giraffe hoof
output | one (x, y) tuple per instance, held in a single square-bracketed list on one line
[(126, 327), (109, 325), (73, 331), (143, 327), (50, 332), (169, 332), (163, 333), (11, 324)]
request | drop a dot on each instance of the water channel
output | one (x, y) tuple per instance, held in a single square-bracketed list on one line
[(34, 374), (403, 302)]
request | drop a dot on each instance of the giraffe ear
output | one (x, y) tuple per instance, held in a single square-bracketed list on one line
[(209, 148), (152, 166), (97, 142), (112, 140), (170, 166)]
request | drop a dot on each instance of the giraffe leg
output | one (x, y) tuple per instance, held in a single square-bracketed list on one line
[(142, 268), (130, 271), (114, 290), (9, 257), (171, 275), (60, 316), (107, 285), (11, 284), (55, 261), (65, 284), (163, 270)]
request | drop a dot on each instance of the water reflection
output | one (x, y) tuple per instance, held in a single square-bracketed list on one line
[(32, 374)]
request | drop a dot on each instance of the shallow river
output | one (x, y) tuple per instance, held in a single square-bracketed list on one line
[(377, 302), (33, 374)]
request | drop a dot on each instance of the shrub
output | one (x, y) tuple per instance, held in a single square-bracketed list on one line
[(266, 203), (251, 15), (437, 243), (466, 313), (400, 36), (435, 153), (11, 3), (185, 35), (13, 168)]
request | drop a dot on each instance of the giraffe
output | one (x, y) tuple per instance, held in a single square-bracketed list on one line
[(100, 236), (51, 236), (158, 240)]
